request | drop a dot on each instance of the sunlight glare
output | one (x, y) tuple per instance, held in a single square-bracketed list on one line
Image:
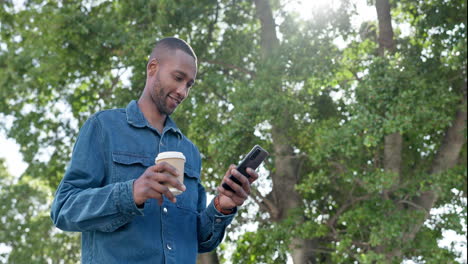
[(306, 8)]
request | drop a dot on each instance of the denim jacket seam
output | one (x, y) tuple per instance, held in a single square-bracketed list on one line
[(116, 197), (130, 154), (115, 223), (101, 137), (90, 257)]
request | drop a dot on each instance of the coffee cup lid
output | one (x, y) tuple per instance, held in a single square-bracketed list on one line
[(169, 155)]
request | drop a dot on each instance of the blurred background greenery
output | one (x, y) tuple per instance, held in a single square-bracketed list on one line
[(362, 105)]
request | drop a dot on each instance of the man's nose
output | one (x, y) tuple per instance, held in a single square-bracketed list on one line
[(182, 91)]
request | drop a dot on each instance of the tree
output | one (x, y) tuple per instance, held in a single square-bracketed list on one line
[(394, 149), (364, 140), (26, 223)]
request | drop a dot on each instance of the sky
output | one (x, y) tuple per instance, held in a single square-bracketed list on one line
[(9, 150)]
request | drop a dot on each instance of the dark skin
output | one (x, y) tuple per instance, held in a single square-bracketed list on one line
[(169, 79)]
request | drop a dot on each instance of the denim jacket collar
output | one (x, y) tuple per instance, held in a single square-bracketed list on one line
[(136, 118)]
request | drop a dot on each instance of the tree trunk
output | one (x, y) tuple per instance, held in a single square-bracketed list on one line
[(392, 152), (386, 41), (208, 258), (285, 177), (283, 197), (393, 143), (303, 251)]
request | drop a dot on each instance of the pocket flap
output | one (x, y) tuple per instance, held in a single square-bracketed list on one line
[(190, 172), (130, 158)]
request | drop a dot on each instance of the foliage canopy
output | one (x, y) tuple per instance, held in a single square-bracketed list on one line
[(323, 110)]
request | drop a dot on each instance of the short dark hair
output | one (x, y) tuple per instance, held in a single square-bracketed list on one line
[(172, 43)]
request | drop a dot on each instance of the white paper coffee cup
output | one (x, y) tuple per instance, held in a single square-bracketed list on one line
[(176, 159)]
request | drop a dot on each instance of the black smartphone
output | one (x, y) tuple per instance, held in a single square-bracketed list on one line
[(255, 157)]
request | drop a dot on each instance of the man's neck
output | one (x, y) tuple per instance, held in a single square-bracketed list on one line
[(151, 113)]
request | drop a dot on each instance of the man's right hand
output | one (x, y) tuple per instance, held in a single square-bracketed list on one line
[(150, 184)]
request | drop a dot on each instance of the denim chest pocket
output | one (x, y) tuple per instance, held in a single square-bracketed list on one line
[(188, 200), (127, 166)]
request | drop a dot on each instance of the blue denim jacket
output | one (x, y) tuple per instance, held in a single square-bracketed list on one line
[(95, 197)]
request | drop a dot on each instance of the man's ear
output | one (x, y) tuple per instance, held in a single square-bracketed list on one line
[(152, 67)]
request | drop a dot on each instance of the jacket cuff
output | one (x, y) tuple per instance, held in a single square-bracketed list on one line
[(217, 223), (124, 199)]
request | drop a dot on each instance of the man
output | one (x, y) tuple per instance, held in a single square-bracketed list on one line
[(114, 194)]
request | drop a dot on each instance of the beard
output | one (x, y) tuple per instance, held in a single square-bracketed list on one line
[(159, 97)]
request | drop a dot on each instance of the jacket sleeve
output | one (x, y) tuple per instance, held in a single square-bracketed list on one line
[(211, 224), (82, 202)]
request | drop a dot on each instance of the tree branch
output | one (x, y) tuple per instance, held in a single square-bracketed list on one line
[(231, 66), (340, 168), (332, 221), (446, 158), (449, 151), (415, 206), (265, 204), (356, 76)]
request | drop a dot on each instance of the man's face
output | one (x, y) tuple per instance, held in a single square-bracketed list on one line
[(172, 81)]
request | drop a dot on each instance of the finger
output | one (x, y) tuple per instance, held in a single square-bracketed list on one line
[(165, 167), (174, 182), (169, 179), (238, 190), (160, 190), (240, 177), (222, 190), (151, 193), (164, 177), (160, 177), (235, 199), (228, 172), (253, 175), (246, 187), (162, 181), (170, 195)]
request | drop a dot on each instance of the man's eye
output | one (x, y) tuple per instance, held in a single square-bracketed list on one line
[(179, 79)]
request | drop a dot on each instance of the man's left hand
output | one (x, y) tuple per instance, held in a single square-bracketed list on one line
[(228, 199)]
